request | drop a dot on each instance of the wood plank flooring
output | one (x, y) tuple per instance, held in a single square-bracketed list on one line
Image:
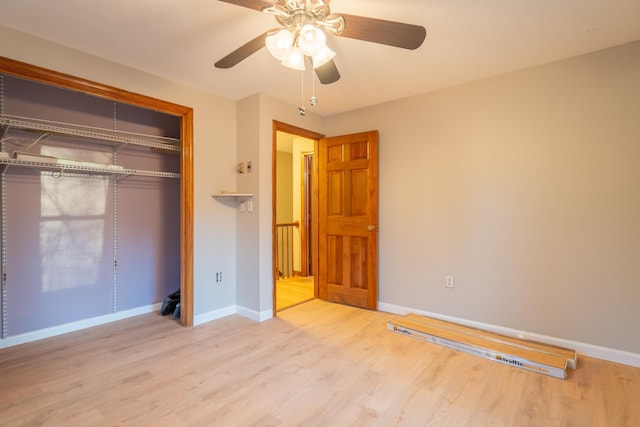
[(293, 291), (316, 364)]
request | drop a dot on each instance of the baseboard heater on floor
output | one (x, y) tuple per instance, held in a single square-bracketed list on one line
[(533, 356)]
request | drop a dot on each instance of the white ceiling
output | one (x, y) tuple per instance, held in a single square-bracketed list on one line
[(466, 40)]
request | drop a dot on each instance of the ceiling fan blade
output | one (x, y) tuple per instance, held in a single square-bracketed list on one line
[(243, 52), (328, 73), (251, 4), (398, 34)]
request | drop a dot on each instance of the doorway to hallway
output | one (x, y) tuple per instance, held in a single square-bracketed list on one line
[(294, 239)]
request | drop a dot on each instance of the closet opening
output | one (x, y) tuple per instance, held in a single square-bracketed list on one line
[(76, 157)]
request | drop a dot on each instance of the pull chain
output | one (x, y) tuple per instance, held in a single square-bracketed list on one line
[(313, 101), (301, 109)]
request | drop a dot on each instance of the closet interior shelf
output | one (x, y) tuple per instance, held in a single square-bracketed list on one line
[(107, 169), (112, 136)]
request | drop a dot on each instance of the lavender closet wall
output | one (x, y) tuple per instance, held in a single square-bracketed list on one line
[(63, 233)]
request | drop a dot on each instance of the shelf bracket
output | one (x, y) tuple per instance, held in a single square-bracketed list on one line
[(119, 177), (41, 138)]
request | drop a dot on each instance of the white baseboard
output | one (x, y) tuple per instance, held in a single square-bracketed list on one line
[(258, 316), (76, 326), (214, 315), (107, 318), (233, 309), (589, 350)]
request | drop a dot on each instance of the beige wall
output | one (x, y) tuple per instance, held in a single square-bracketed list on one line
[(284, 188), (248, 223), (525, 187)]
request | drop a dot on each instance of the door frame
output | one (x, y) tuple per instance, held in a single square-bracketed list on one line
[(293, 130), (306, 229)]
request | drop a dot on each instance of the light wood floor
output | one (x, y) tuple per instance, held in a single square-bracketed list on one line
[(293, 291), (316, 364)]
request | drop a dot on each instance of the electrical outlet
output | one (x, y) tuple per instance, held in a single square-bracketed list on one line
[(219, 277), (448, 281)]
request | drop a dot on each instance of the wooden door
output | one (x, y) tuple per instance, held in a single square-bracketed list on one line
[(348, 219)]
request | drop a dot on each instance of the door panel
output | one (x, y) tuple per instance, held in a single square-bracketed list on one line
[(348, 218)]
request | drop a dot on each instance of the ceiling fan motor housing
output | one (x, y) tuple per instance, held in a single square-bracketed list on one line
[(294, 14)]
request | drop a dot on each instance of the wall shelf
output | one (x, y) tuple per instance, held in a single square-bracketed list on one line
[(235, 196)]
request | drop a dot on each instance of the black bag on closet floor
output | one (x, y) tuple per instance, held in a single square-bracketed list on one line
[(170, 302), (176, 312)]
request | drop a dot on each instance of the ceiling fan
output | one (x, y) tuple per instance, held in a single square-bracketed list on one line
[(301, 37)]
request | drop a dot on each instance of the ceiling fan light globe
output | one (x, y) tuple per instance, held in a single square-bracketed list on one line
[(294, 59), (322, 57), (278, 44), (311, 40)]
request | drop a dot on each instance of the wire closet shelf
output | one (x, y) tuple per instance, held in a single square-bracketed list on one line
[(99, 135)]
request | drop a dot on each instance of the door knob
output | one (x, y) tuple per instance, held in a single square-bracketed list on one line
[(372, 228)]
